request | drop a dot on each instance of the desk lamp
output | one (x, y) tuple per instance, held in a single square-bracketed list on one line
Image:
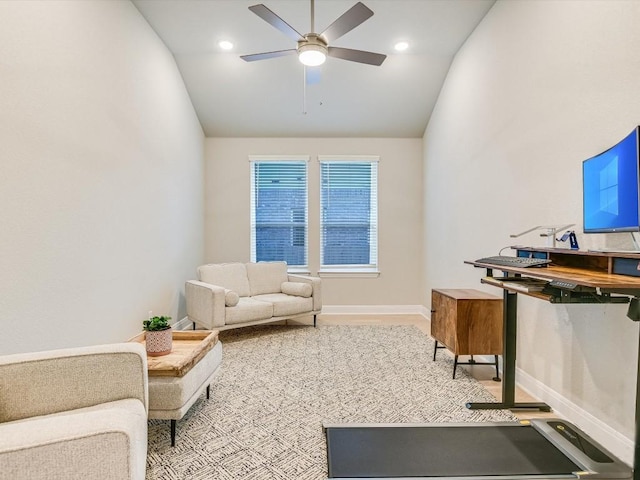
[(550, 232)]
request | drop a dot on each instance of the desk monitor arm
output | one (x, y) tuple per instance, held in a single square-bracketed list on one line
[(550, 233)]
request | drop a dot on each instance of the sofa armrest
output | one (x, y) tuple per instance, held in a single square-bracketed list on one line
[(205, 304), (316, 285), (67, 379), (107, 441)]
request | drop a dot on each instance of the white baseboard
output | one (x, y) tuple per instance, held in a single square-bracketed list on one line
[(186, 324), (374, 310), (619, 445), (183, 324)]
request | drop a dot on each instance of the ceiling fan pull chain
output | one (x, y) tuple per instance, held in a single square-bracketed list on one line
[(304, 90)]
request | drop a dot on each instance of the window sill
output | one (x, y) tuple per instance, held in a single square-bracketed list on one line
[(299, 271), (349, 273)]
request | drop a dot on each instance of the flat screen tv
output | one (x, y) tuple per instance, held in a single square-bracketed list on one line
[(611, 188)]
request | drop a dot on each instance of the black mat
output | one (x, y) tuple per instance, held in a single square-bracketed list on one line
[(442, 451)]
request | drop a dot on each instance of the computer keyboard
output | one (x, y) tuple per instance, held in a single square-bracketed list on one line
[(521, 262)]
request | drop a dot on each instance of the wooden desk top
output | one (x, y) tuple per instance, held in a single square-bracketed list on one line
[(580, 276), (189, 347), (587, 268)]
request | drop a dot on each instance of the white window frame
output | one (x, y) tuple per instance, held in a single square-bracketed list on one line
[(255, 159), (370, 270)]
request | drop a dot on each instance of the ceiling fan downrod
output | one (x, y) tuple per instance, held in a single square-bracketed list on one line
[(313, 16)]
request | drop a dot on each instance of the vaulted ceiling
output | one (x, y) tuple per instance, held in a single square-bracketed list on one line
[(270, 98)]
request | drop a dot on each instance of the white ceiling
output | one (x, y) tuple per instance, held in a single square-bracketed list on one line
[(234, 98)]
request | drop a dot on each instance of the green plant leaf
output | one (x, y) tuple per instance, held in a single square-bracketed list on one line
[(156, 324)]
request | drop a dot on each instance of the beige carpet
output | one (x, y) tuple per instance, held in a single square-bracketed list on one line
[(280, 383)]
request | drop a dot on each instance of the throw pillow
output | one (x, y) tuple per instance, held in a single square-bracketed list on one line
[(231, 298), (298, 289)]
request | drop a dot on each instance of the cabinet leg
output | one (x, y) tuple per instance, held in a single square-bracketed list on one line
[(435, 350), (455, 366), (497, 377)]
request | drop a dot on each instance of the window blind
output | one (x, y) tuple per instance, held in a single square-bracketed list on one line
[(349, 214), (279, 212)]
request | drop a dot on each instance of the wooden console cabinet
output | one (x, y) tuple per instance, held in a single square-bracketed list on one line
[(467, 322)]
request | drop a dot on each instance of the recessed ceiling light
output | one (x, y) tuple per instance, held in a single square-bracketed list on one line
[(225, 45), (401, 46)]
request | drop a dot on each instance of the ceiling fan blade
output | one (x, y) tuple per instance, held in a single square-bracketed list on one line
[(273, 19), (267, 55), (359, 56), (347, 21)]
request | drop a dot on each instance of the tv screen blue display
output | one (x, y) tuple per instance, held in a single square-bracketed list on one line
[(611, 193)]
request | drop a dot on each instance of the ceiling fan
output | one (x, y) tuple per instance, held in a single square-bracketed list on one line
[(313, 48)]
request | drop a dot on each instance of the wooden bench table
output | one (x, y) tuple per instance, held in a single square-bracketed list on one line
[(178, 379)]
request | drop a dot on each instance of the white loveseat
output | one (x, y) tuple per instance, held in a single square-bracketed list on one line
[(76, 413), (232, 295)]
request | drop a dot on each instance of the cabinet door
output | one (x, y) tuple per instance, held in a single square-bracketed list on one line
[(443, 316), (479, 327)]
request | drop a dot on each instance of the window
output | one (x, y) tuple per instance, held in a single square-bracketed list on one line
[(279, 209), (349, 214)]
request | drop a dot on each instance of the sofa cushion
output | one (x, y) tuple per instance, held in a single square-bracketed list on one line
[(232, 276), (248, 310), (298, 289), (266, 277), (64, 445), (284, 304)]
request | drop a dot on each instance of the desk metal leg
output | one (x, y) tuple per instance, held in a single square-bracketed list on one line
[(510, 335), (636, 451)]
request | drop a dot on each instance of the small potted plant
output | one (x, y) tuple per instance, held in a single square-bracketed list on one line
[(158, 336)]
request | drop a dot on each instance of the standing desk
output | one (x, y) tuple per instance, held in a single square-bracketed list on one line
[(593, 270)]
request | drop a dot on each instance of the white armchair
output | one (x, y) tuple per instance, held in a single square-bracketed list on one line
[(78, 413)]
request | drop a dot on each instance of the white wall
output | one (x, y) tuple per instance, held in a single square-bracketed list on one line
[(101, 175), (537, 88), (227, 209)]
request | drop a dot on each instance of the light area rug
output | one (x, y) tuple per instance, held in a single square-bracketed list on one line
[(279, 384)]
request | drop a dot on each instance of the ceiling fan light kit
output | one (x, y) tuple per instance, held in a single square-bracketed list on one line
[(312, 51)]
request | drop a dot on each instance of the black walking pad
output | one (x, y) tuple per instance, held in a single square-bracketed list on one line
[(555, 448)]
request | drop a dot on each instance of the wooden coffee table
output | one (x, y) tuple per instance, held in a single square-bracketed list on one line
[(178, 379)]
